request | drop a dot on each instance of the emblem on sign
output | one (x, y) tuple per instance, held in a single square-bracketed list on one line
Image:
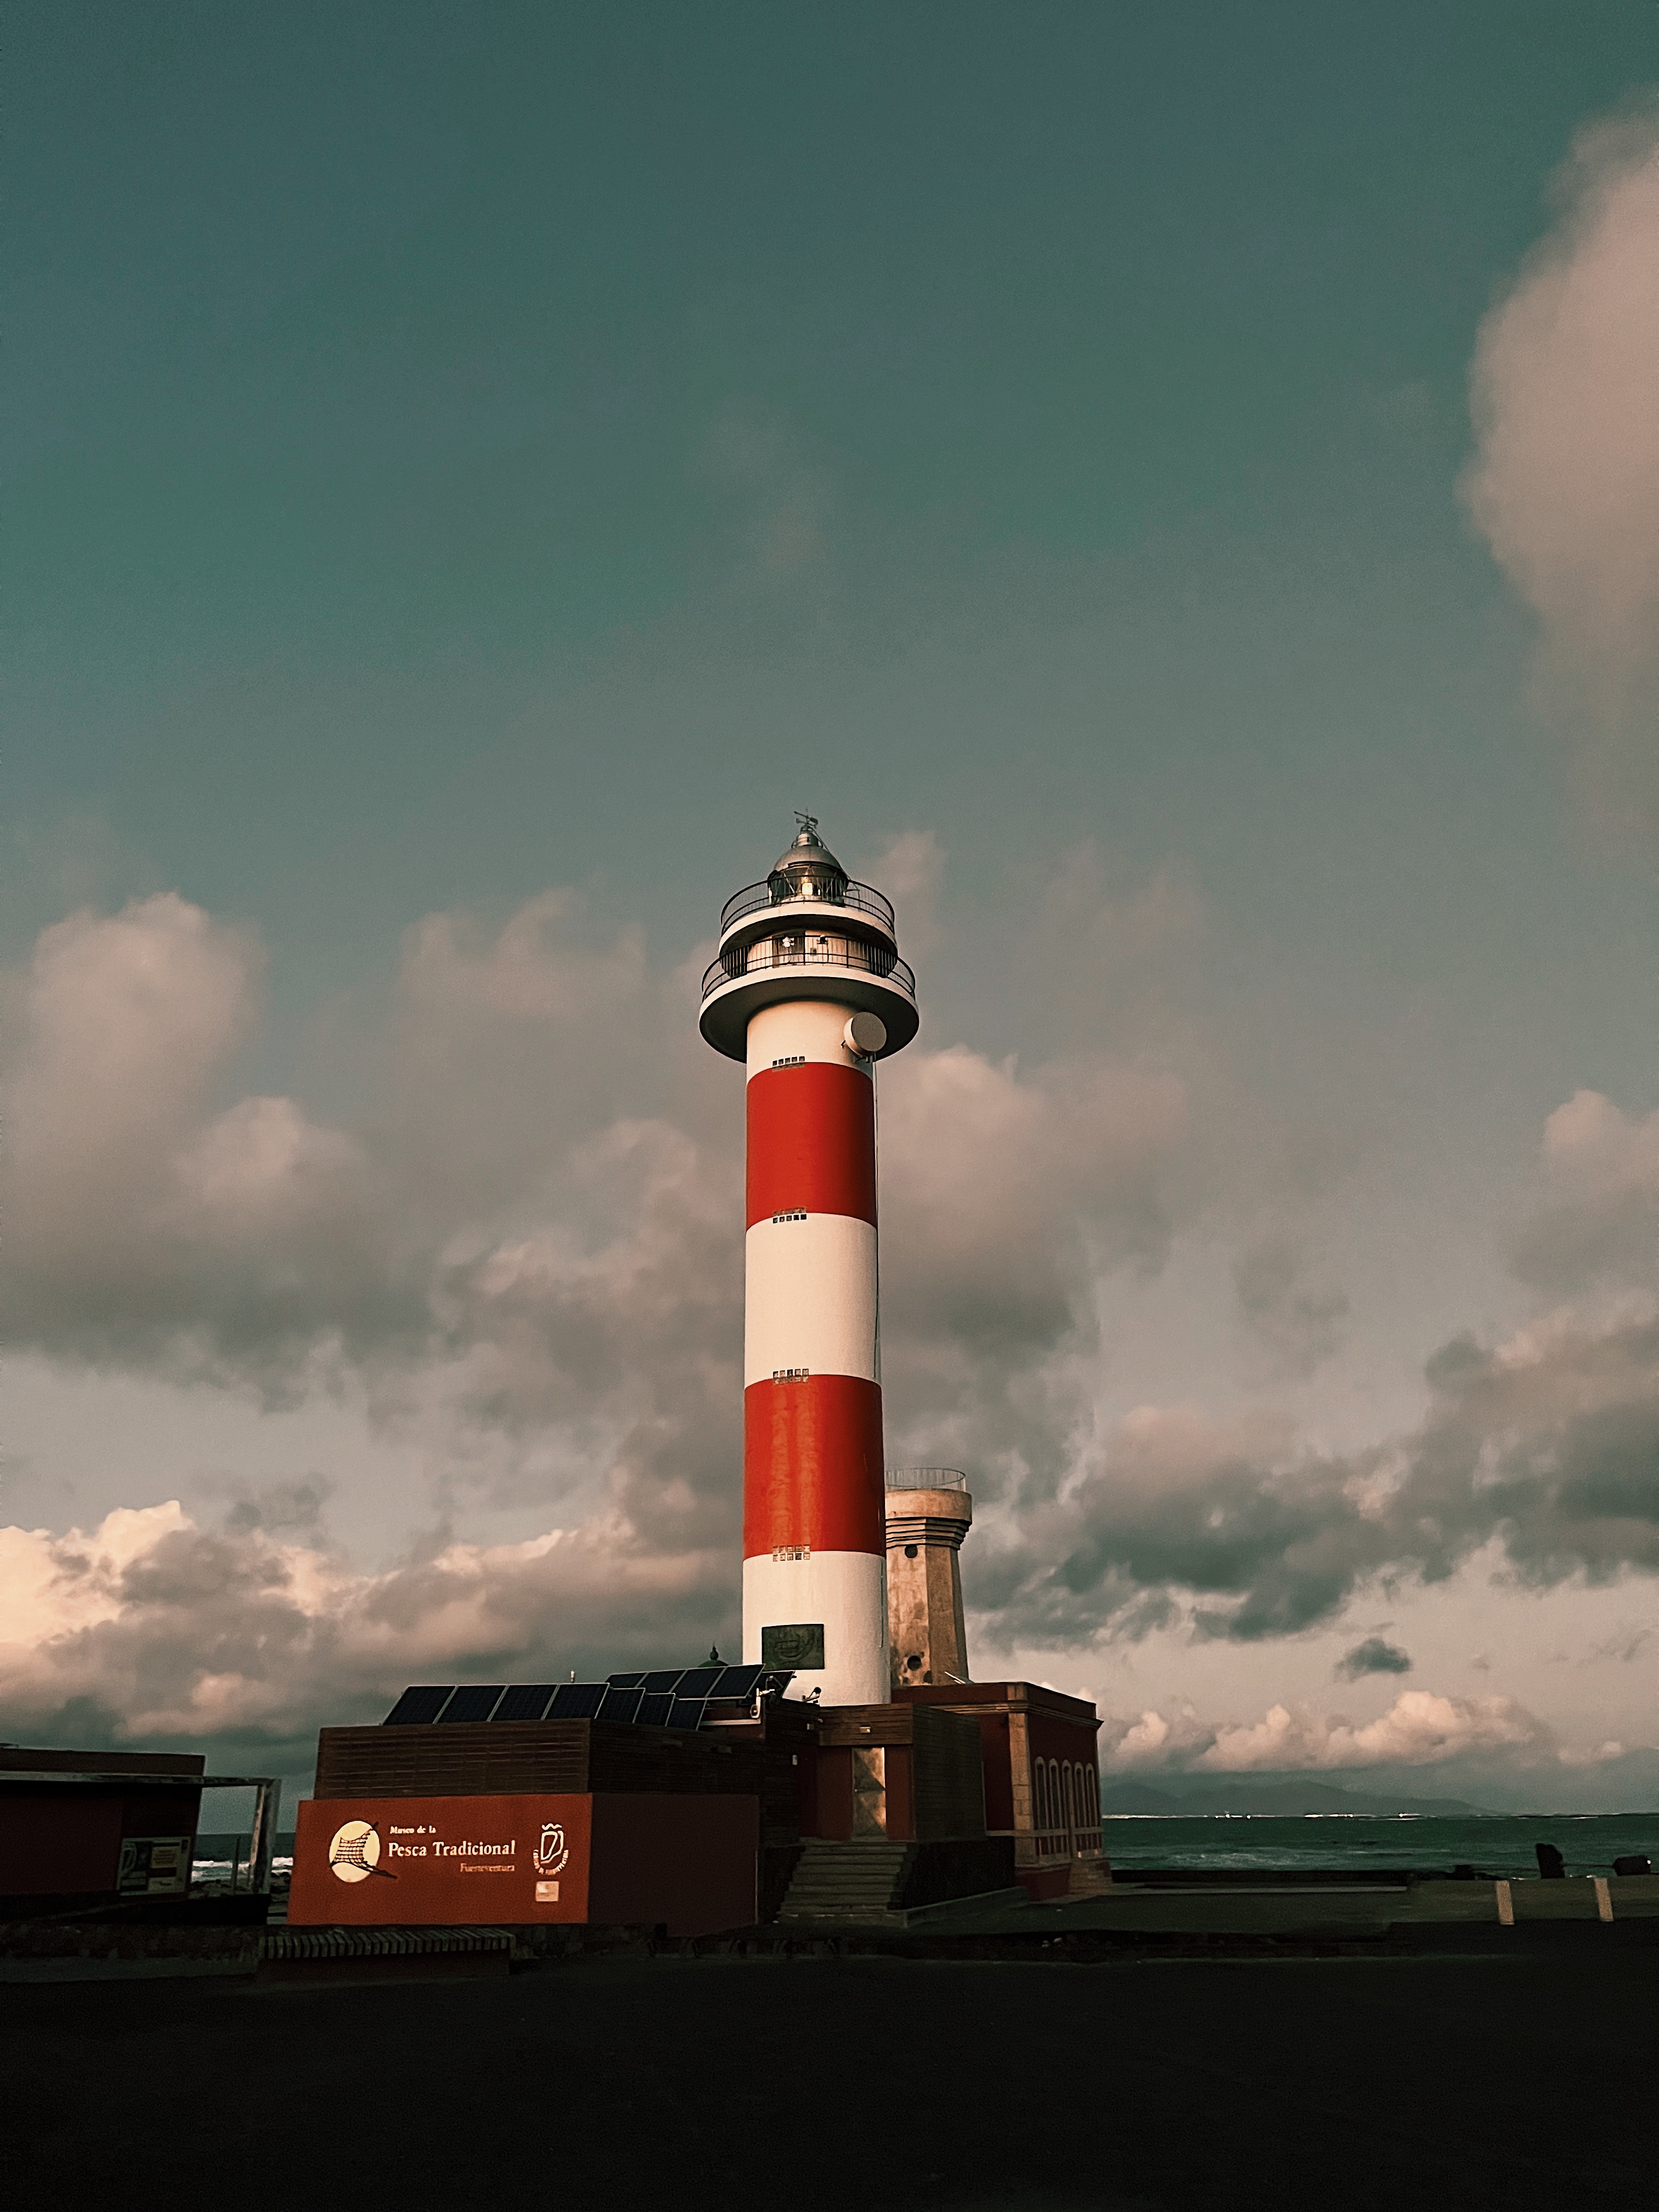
[(355, 1853), (552, 1853)]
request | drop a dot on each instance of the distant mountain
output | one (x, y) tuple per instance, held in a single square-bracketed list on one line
[(1224, 1795)]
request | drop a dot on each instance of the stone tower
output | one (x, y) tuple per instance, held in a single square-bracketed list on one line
[(929, 1512)]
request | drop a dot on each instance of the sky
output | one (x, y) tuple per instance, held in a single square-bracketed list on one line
[(1176, 493)]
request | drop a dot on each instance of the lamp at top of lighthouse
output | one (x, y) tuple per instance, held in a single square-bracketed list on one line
[(809, 991)]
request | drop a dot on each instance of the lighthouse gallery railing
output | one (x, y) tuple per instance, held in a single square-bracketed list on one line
[(754, 898), (767, 955)]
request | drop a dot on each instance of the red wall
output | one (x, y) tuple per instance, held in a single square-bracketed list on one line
[(68, 1842), (685, 1862), (470, 1861)]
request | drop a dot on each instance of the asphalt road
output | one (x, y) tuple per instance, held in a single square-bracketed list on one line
[(789, 2085)]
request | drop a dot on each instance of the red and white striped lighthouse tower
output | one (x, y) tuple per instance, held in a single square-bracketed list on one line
[(808, 989)]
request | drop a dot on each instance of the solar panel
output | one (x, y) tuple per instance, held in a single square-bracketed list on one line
[(525, 1701), (473, 1702), (619, 1704), (697, 1681), (662, 1678), (576, 1701), (655, 1706), (738, 1682), (688, 1712), (417, 1706), (634, 1681)]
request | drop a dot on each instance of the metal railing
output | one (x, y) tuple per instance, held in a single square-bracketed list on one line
[(754, 898), (925, 1478), (764, 958)]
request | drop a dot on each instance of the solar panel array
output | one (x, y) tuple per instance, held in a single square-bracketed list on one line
[(660, 1697)]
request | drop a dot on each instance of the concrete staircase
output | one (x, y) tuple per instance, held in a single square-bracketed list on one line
[(851, 1885)]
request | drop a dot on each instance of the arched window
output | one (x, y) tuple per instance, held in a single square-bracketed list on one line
[(1039, 1795), (1068, 1801), (1056, 1814)]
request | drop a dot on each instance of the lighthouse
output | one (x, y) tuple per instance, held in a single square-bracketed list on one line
[(809, 991)]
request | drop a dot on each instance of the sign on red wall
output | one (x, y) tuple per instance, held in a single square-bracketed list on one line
[(687, 1863), (443, 1861)]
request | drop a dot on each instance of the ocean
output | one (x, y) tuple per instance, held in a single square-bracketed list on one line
[(1498, 1844)]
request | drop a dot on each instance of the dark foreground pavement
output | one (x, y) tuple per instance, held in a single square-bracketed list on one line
[(781, 2085)]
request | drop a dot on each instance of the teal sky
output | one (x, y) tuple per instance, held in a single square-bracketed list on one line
[(375, 535), (456, 450)]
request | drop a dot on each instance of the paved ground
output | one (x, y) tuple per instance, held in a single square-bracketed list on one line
[(1353, 1911), (786, 2086)]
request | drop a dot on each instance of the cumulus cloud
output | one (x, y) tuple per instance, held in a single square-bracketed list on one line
[(150, 1625), (1419, 1729), (1564, 483), (531, 1262), (520, 1254), (141, 1224), (1599, 1222), (1547, 1446), (1006, 1194), (1374, 1657), (911, 871)]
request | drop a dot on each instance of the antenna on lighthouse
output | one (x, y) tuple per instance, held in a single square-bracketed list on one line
[(809, 825)]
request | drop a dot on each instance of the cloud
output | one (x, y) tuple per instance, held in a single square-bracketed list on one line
[(1374, 1657), (1006, 1195), (1300, 1325), (141, 1224), (526, 1255), (1627, 1643), (150, 1625), (1545, 1446), (911, 871), (1419, 1729), (1564, 483), (524, 1268), (1600, 1221)]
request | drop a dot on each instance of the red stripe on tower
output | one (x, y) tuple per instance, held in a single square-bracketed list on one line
[(812, 1466), (811, 1142)]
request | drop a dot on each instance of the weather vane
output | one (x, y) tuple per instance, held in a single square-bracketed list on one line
[(809, 823)]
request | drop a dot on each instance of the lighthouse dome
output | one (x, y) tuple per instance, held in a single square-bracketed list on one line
[(808, 870)]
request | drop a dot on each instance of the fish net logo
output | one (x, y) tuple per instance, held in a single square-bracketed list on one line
[(355, 1853)]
